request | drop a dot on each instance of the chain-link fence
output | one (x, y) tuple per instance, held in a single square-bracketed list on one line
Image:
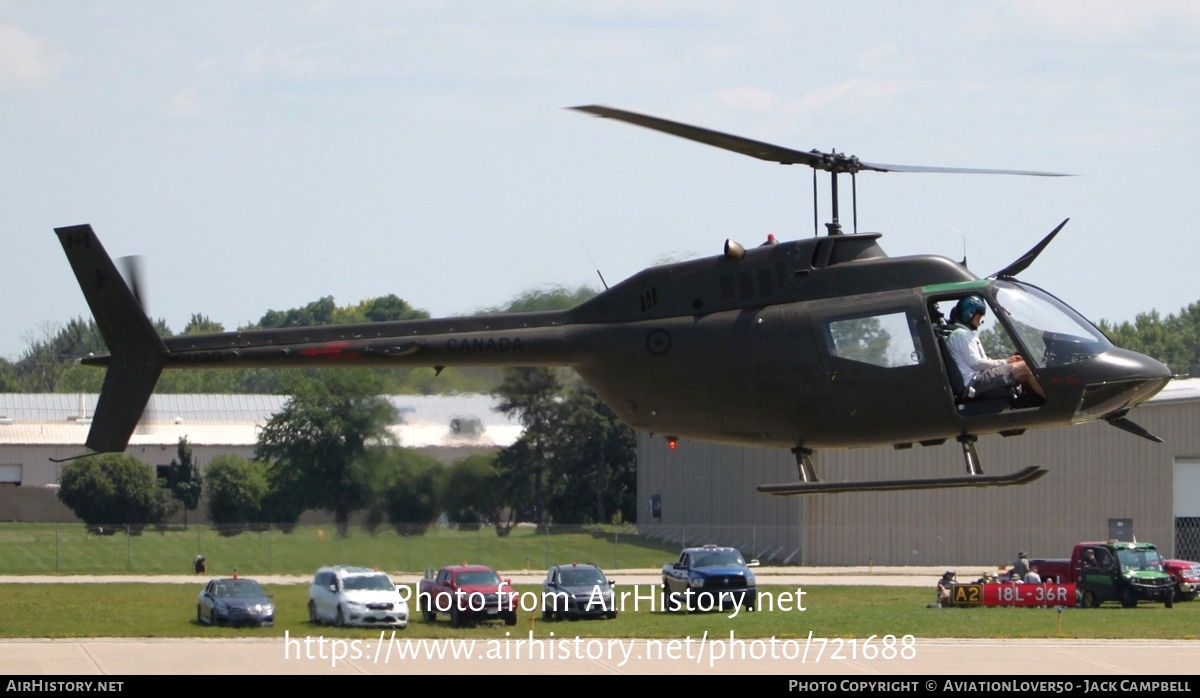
[(73, 548), (299, 550), (1187, 537)]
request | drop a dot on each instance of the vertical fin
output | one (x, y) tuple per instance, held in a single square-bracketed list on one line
[(138, 353)]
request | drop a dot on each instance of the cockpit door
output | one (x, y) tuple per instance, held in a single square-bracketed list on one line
[(879, 368)]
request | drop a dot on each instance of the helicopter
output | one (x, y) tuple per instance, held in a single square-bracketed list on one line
[(817, 343)]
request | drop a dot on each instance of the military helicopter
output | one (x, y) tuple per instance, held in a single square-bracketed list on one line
[(810, 344)]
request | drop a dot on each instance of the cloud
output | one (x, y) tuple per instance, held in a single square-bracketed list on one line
[(25, 62), (186, 103), (292, 64), (1105, 19), (746, 98), (853, 89)]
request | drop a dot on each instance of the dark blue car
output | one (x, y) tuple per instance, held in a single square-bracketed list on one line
[(235, 601)]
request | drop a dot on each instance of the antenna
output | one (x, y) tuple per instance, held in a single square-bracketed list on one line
[(589, 256), (960, 234)]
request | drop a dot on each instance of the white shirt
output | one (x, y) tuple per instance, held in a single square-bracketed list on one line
[(968, 354)]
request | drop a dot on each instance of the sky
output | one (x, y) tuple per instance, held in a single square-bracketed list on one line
[(262, 155)]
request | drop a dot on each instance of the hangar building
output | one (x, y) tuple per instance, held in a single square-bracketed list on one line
[(1103, 483)]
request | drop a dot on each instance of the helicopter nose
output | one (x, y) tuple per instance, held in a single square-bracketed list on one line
[(1121, 379)]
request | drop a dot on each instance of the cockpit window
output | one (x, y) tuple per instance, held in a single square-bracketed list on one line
[(1053, 333)]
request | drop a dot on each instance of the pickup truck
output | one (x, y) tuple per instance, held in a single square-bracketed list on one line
[(467, 593), (709, 578), (1112, 571), (1187, 578)]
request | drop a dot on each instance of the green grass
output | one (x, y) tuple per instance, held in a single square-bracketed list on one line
[(169, 610), (70, 549)]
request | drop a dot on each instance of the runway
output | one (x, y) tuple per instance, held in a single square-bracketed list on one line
[(1010, 659)]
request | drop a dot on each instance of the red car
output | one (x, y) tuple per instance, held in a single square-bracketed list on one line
[(466, 593), (1187, 577)]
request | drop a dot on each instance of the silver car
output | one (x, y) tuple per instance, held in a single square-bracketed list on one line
[(355, 596)]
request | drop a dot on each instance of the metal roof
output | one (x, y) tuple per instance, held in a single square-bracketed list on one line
[(60, 418), (1179, 389)]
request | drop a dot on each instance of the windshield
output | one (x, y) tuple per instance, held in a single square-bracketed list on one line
[(1138, 560), (239, 588), (1053, 333), (368, 582), (485, 577), (721, 558), (583, 578)]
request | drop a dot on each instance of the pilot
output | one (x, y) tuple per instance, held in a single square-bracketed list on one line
[(982, 375)]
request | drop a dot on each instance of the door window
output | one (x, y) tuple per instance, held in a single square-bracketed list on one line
[(884, 340)]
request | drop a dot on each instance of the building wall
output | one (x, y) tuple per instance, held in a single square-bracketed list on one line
[(36, 504), (1096, 473)]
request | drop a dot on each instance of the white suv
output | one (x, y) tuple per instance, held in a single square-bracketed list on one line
[(355, 596)]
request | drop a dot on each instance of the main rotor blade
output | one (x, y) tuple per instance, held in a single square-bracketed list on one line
[(1023, 262), (829, 162), (745, 146), (879, 167)]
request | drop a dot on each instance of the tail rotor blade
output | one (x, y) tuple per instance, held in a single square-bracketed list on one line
[(132, 271)]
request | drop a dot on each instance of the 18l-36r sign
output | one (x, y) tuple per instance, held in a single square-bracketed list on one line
[(1013, 595)]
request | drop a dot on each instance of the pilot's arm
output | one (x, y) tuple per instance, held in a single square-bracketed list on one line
[(979, 359), (967, 349)]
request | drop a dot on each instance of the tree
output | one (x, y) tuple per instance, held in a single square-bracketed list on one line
[(111, 489), (201, 324), (533, 395), (184, 479), (9, 381), (235, 488), (595, 463), (553, 298), (388, 308), (411, 499), (475, 491), (315, 447), (319, 312), (49, 356)]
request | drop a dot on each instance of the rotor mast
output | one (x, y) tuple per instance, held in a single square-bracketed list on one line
[(834, 227)]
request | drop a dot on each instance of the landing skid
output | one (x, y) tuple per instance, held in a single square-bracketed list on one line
[(1021, 477)]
